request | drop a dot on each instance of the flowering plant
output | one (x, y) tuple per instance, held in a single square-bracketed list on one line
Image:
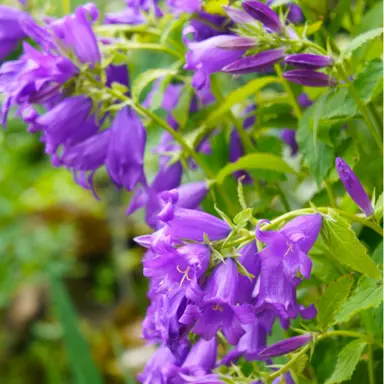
[(270, 149)]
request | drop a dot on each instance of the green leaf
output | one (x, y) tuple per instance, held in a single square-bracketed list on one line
[(147, 77), (224, 216), (368, 294), (361, 40), (255, 161), (345, 246), (318, 155), (331, 300), (347, 360), (242, 270), (370, 81), (82, 365), (379, 208), (238, 96), (377, 255), (242, 218), (372, 19), (339, 104), (181, 111)]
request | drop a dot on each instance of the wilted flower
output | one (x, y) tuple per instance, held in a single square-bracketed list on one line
[(261, 12), (308, 61), (309, 78), (285, 346), (354, 187)]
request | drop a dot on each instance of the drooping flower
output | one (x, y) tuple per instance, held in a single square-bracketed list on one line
[(261, 12), (125, 159), (256, 63), (284, 256), (217, 305), (289, 137), (10, 30), (309, 78), (285, 346), (308, 61), (354, 187)]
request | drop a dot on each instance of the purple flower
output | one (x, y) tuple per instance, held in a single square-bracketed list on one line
[(309, 78), (217, 305), (238, 42), (285, 346), (289, 137), (284, 256), (128, 16), (205, 57), (182, 6), (125, 159), (354, 187), (256, 63), (10, 30), (238, 16), (304, 100), (295, 14), (308, 61), (264, 14)]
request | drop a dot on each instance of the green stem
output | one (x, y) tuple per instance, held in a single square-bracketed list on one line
[(288, 89), (364, 110), (244, 138), (367, 338), (371, 371), (283, 198)]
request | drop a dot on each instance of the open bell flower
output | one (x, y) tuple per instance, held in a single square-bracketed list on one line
[(285, 346), (261, 12), (354, 187), (309, 78)]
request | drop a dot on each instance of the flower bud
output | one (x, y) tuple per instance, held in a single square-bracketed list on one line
[(309, 78), (264, 14), (285, 346), (289, 137), (309, 61)]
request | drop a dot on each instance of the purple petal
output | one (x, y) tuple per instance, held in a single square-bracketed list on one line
[(309, 61), (309, 78), (264, 14)]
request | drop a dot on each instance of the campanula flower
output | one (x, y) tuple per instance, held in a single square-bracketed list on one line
[(255, 63), (354, 187), (309, 78), (10, 30), (261, 12), (217, 305), (285, 346), (295, 14), (238, 16), (125, 159), (289, 138), (304, 100), (238, 42), (308, 61)]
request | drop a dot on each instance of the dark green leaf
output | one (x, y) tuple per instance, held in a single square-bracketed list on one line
[(368, 294), (345, 246), (347, 361), (331, 300), (370, 81), (255, 161)]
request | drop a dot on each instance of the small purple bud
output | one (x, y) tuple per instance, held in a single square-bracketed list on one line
[(309, 78), (295, 14), (256, 63), (285, 346), (238, 42), (309, 61), (304, 100), (264, 14), (192, 194), (353, 186), (289, 137), (238, 16)]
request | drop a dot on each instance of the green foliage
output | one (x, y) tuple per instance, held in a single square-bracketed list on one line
[(331, 300), (361, 40), (347, 361), (345, 246)]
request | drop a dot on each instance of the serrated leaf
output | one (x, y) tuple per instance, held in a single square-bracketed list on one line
[(300, 365), (181, 111), (368, 294), (347, 360), (242, 270), (361, 40), (318, 155), (379, 208), (377, 255), (331, 300), (309, 29), (339, 104), (255, 161), (238, 96), (242, 218), (147, 77), (370, 81), (224, 216), (345, 246), (240, 193)]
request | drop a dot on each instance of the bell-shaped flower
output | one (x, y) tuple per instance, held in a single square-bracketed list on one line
[(261, 12), (354, 187), (238, 16), (125, 159), (10, 30), (217, 305), (309, 78), (285, 346)]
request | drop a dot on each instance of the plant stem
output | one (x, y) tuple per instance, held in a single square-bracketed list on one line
[(367, 338), (371, 372), (291, 95), (369, 118), (331, 198)]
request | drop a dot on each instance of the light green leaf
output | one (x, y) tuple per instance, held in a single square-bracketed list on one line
[(242, 270), (339, 104), (309, 29), (331, 300), (255, 161), (345, 246), (238, 96), (224, 216), (147, 77), (317, 155), (82, 365), (242, 218), (361, 40), (368, 294), (181, 111), (370, 82), (347, 360), (372, 19), (377, 255), (379, 208)]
